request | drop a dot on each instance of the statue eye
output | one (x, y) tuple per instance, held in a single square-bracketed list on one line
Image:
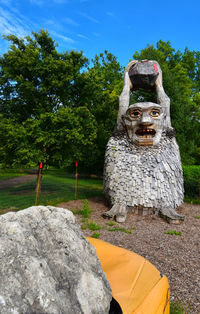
[(135, 113), (155, 113)]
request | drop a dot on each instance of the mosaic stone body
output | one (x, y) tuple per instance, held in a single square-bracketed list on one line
[(143, 174)]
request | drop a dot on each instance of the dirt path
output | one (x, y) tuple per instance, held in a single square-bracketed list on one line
[(4, 184), (178, 257)]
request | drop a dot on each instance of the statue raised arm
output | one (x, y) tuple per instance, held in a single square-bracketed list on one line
[(148, 77), (125, 96)]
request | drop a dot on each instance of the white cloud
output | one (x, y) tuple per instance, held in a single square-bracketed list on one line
[(96, 34), (37, 2), (6, 2), (88, 17), (13, 15), (110, 13), (65, 38), (13, 24), (61, 1), (49, 22), (82, 36), (55, 25), (43, 2), (71, 22)]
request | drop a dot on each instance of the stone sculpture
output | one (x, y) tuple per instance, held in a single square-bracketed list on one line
[(47, 266), (143, 172)]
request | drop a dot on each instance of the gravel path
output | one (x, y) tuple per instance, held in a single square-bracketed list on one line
[(4, 184), (178, 257)]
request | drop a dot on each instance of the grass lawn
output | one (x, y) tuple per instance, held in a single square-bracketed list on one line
[(57, 187)]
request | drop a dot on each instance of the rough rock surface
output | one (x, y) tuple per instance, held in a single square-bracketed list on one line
[(47, 266)]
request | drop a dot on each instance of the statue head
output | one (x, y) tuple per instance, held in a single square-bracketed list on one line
[(144, 123)]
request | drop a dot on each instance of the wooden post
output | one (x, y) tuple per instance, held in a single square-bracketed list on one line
[(76, 183), (38, 183), (199, 188)]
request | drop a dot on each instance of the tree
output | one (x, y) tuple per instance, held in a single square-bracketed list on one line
[(35, 78), (42, 109), (57, 138), (105, 82), (15, 149)]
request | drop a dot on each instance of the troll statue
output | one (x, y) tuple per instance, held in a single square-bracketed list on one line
[(143, 172)]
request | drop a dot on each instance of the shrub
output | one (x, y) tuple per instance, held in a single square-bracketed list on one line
[(173, 232), (111, 223), (120, 229), (76, 211), (191, 175), (96, 235), (93, 226), (86, 210)]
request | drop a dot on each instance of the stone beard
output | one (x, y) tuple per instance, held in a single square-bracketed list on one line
[(146, 179)]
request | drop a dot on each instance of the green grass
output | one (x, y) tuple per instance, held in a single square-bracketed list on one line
[(111, 223), (197, 217), (76, 211), (56, 187), (86, 210), (93, 226), (178, 307), (120, 229), (96, 235), (190, 200), (173, 232)]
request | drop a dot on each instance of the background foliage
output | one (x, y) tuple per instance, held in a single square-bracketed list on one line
[(191, 175), (56, 107)]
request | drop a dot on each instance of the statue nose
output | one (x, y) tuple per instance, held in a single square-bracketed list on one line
[(146, 120)]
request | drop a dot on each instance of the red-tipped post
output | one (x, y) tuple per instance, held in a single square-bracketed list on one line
[(76, 183), (38, 182)]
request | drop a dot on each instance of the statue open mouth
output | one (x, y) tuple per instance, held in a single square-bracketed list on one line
[(146, 133)]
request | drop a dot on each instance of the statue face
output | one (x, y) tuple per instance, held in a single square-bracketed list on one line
[(144, 123)]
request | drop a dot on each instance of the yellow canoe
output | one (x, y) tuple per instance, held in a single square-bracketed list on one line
[(136, 284)]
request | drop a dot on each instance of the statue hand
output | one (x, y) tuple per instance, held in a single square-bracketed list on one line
[(130, 64), (158, 82), (127, 70)]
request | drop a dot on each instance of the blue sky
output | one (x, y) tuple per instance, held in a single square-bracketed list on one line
[(121, 27)]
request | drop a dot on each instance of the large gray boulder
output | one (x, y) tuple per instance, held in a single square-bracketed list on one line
[(47, 266)]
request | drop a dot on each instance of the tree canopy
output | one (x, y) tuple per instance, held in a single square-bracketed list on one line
[(55, 107)]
